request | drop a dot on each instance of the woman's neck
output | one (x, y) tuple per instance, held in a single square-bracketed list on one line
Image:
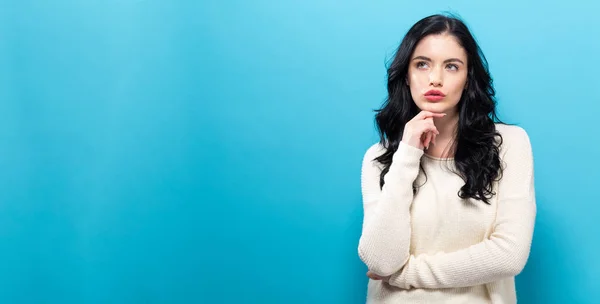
[(447, 127)]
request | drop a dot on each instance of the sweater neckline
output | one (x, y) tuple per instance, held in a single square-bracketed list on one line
[(438, 158)]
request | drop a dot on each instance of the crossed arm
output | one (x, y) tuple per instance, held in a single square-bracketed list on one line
[(385, 242)]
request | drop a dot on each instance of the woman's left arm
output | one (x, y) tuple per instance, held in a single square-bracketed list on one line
[(505, 253)]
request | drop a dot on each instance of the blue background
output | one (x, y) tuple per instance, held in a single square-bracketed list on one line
[(209, 151)]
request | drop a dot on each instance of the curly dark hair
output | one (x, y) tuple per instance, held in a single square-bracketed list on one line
[(476, 143)]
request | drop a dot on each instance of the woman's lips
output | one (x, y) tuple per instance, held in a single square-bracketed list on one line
[(434, 95)]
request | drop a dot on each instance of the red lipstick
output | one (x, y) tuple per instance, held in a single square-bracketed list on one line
[(434, 95)]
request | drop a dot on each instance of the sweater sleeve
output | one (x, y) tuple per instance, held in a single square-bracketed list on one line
[(385, 239), (505, 252)]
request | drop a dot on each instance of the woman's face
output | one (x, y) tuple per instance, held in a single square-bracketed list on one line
[(437, 74)]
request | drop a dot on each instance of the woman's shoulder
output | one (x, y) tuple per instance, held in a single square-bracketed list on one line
[(375, 150), (513, 137), (510, 130)]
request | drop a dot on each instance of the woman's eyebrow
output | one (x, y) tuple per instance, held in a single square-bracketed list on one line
[(445, 61)]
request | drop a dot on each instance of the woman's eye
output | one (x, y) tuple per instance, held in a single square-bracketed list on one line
[(452, 67), (422, 65)]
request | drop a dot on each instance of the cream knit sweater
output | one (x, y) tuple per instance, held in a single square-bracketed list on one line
[(437, 247)]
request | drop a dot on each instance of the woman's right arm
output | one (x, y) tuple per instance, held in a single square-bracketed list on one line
[(385, 240)]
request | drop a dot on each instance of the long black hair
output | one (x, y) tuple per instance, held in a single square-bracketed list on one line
[(477, 142)]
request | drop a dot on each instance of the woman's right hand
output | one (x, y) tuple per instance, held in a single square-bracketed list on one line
[(420, 130)]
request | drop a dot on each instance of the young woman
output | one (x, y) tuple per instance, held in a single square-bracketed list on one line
[(448, 192)]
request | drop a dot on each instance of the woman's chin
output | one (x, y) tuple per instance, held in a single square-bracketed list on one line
[(434, 107)]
